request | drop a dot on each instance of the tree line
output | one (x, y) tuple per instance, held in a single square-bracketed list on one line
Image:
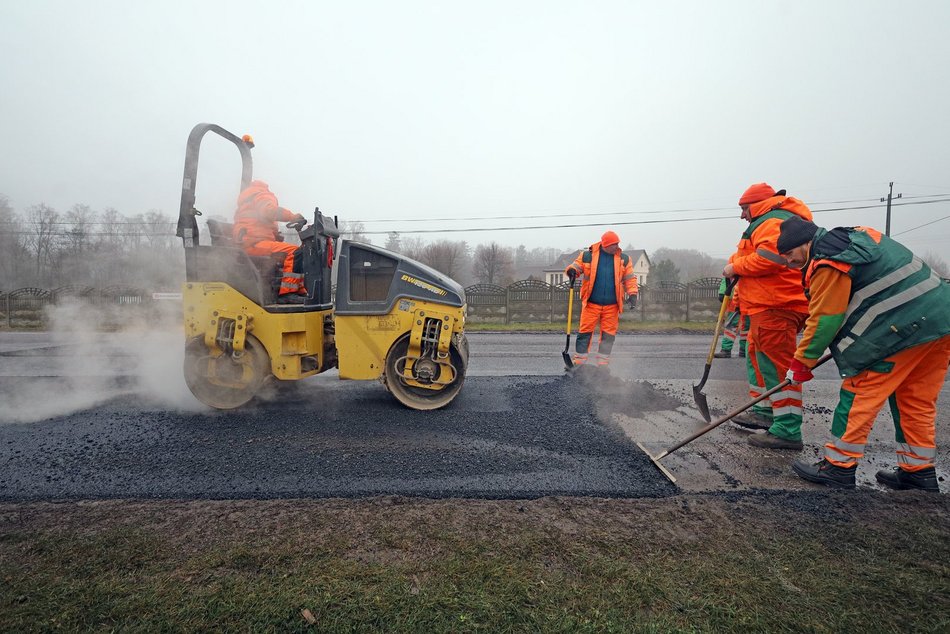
[(42, 246)]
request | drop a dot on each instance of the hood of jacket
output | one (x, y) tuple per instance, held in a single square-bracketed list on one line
[(788, 203)]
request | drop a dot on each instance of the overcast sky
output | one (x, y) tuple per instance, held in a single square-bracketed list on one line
[(498, 110)]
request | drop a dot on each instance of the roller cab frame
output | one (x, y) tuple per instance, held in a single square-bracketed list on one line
[(395, 319)]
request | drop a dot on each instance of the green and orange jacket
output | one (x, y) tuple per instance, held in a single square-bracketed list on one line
[(257, 215), (870, 298), (764, 284), (585, 265)]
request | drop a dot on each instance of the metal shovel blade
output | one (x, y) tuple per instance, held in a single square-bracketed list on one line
[(568, 361), (700, 398), (701, 403)]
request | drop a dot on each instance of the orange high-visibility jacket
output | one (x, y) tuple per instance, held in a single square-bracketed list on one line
[(586, 268), (257, 215), (765, 284)]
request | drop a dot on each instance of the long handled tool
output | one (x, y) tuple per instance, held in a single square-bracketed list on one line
[(568, 362), (656, 459), (698, 395)]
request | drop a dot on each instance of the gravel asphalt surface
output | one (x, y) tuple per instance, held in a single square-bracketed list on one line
[(100, 419)]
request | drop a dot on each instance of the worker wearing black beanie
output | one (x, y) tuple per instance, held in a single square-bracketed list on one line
[(883, 314), (795, 232)]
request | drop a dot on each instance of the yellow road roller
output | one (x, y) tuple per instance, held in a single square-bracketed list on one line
[(392, 318)]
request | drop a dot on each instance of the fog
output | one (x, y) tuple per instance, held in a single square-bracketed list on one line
[(568, 117), (106, 353)]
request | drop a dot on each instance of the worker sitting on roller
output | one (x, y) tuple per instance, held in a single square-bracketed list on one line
[(885, 315), (255, 230), (607, 279)]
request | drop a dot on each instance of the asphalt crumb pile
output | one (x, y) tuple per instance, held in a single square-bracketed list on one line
[(502, 438), (615, 394)]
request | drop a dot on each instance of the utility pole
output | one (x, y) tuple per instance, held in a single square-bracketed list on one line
[(890, 195)]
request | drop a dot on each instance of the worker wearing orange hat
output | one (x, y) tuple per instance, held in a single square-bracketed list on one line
[(255, 229), (607, 279), (772, 297)]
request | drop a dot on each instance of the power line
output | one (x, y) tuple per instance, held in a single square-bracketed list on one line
[(627, 222), (173, 223), (617, 213), (932, 222), (519, 228)]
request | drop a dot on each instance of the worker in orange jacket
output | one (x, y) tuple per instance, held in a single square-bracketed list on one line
[(771, 295), (255, 230), (883, 314), (607, 279)]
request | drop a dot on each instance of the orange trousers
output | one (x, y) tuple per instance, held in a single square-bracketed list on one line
[(771, 347), (910, 381), (608, 317), (290, 282)]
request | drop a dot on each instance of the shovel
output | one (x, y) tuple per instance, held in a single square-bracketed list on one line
[(568, 362), (698, 395), (656, 459)]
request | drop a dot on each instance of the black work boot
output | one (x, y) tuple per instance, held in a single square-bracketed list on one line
[(925, 479), (769, 440), (752, 420), (723, 354), (823, 472)]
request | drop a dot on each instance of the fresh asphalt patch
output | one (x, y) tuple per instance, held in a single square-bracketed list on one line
[(502, 438)]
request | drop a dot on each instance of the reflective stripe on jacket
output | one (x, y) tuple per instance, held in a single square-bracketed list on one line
[(895, 301), (764, 284), (585, 265), (257, 215)]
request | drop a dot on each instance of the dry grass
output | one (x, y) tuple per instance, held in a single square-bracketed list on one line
[(755, 562)]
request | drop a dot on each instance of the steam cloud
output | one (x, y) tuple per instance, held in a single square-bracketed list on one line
[(104, 352)]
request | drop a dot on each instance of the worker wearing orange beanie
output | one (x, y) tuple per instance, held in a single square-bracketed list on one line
[(606, 279), (772, 297)]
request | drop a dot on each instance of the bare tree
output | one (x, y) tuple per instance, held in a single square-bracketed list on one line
[(80, 220), (937, 263), (13, 253), (158, 229), (412, 247), (493, 263), (41, 235), (132, 233), (354, 231), (393, 242), (446, 256), (111, 225)]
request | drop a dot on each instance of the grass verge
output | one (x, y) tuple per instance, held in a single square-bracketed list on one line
[(755, 562)]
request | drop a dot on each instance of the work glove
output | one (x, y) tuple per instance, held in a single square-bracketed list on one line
[(572, 275), (632, 301), (299, 219), (721, 297), (799, 373)]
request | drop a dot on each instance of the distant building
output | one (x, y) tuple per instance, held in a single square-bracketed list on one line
[(554, 274)]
